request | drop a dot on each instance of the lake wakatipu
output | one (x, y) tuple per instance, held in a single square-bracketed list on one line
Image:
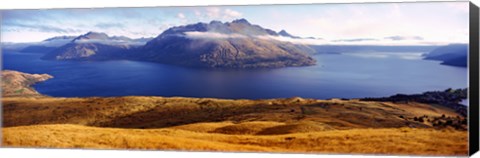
[(348, 75)]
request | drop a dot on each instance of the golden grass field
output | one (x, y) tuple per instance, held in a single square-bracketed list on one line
[(406, 141), (205, 124)]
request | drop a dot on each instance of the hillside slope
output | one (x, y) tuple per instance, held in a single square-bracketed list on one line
[(159, 112), (16, 83)]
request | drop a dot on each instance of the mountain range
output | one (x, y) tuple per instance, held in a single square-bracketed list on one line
[(53, 43), (94, 46), (453, 55), (38, 47), (236, 44), (48, 45)]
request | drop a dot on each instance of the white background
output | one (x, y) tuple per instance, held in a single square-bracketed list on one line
[(76, 153)]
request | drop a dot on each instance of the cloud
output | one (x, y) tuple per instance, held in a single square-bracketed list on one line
[(109, 25), (309, 41), (302, 41), (355, 40), (216, 13), (459, 6), (216, 35), (229, 13), (213, 12), (197, 13), (212, 35), (400, 38), (31, 16), (407, 56), (181, 16), (110, 42), (39, 27), (305, 41)]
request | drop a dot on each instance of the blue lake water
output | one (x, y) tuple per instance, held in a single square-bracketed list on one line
[(335, 76)]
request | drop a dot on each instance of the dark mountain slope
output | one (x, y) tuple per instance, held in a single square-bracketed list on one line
[(87, 51), (453, 55), (92, 46), (236, 44)]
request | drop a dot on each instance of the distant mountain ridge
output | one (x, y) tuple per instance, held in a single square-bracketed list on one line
[(56, 38), (453, 55), (92, 36), (286, 34), (50, 44), (100, 37), (94, 46), (87, 51), (46, 45)]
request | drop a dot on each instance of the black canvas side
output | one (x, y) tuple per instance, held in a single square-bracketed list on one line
[(473, 116)]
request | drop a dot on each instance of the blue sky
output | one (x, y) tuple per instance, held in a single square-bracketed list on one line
[(377, 23)]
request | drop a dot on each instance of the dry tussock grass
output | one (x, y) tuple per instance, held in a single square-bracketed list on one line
[(159, 112), (296, 127), (247, 128), (404, 141)]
